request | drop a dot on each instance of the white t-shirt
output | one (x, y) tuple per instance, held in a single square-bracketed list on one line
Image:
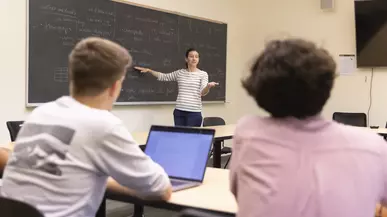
[(64, 154)]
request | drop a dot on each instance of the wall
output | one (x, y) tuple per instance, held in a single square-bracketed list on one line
[(334, 30), (250, 23), (13, 63)]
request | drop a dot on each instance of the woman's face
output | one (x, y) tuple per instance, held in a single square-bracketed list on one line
[(192, 59)]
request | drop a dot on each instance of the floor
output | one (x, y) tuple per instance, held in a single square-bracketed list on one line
[(117, 209)]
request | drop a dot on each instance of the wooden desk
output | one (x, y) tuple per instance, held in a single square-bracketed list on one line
[(213, 195), (221, 133)]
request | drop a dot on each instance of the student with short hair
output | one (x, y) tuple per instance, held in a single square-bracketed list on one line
[(67, 149), (295, 162)]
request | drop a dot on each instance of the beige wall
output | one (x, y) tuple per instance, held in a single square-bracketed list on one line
[(250, 24)]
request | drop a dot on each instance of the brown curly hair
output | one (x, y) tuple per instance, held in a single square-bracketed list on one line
[(291, 78)]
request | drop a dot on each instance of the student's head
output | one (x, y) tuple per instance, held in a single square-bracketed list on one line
[(191, 58), (97, 69), (291, 78)]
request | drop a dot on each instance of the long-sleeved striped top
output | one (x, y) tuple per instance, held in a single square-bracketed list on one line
[(190, 85)]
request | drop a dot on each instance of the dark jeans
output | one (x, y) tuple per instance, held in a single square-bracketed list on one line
[(189, 119)]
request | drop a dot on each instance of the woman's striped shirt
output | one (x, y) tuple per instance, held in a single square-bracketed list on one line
[(190, 85)]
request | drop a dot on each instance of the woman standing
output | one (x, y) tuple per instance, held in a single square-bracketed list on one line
[(192, 84)]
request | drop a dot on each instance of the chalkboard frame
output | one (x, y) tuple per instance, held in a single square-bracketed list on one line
[(31, 105), (28, 104)]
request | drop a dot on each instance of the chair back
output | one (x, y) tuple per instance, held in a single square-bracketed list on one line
[(199, 213), (353, 119), (213, 121), (14, 208), (13, 128)]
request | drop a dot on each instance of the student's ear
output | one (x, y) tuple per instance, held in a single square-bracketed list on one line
[(115, 89)]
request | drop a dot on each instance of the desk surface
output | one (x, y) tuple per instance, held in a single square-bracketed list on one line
[(221, 132), (214, 194)]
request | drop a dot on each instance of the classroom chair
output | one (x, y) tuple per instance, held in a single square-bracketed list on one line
[(217, 121), (199, 213), (13, 208), (353, 119), (13, 128)]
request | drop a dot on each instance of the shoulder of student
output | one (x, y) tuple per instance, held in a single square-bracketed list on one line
[(363, 134), (356, 139), (246, 122), (93, 119), (203, 72)]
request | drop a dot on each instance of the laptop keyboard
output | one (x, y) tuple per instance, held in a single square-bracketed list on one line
[(177, 183)]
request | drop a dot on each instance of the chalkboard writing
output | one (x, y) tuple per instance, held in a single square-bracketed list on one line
[(156, 40)]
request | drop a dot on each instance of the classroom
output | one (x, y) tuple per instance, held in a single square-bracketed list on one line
[(329, 24), (336, 32)]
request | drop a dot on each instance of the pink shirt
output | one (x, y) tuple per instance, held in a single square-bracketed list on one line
[(306, 168)]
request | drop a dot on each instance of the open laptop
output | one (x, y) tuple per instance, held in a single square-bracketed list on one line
[(182, 152)]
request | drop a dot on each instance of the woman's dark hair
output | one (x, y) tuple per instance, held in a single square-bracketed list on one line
[(187, 54), (291, 78)]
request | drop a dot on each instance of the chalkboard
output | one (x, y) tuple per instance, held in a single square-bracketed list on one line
[(156, 39)]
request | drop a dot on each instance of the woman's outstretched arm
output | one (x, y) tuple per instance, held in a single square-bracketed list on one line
[(160, 76)]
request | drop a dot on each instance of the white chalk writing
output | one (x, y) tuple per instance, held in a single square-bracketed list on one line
[(100, 11), (57, 28), (147, 20), (63, 11), (133, 31)]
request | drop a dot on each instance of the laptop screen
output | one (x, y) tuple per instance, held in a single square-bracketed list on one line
[(183, 153)]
